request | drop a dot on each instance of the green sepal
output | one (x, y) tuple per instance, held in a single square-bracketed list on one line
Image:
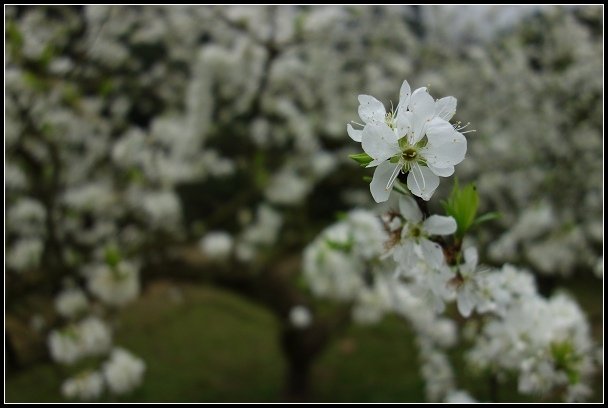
[(362, 158)]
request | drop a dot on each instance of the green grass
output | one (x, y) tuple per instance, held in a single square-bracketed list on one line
[(378, 363), (210, 346), (205, 345)]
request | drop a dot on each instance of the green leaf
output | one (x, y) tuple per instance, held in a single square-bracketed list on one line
[(362, 158), (261, 175), (487, 217), (135, 175), (566, 359), (341, 215), (47, 55), (340, 246), (15, 38), (105, 87), (34, 81), (112, 256), (462, 205), (70, 94)]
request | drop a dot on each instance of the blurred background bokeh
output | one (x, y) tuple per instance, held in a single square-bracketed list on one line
[(165, 167)]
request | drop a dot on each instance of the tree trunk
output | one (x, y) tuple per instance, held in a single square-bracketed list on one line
[(300, 348), (297, 381)]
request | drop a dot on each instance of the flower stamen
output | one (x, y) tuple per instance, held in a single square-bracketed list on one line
[(393, 177)]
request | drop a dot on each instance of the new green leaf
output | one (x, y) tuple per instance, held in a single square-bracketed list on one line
[(362, 158)]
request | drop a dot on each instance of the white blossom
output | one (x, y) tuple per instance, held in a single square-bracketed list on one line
[(89, 337), (27, 217), (372, 303), (300, 317), (436, 371), (264, 230), (416, 139), (546, 342), (64, 345), (94, 336), (162, 209), (71, 302), (217, 244), (287, 188), (123, 372), (459, 397), (85, 386), (414, 245), (599, 268), (24, 254), (337, 263), (469, 285), (117, 285)]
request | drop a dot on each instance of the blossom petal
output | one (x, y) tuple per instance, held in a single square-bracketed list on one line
[(439, 130), (419, 124), (382, 174), (354, 133), (471, 258), (446, 154), (404, 96), (466, 303), (422, 182), (422, 106), (445, 108), (371, 110), (439, 225), (404, 122), (421, 103), (432, 252), (379, 141), (405, 256), (446, 146), (409, 209), (441, 171)]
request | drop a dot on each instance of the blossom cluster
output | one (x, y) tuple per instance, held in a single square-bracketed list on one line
[(122, 373), (422, 259)]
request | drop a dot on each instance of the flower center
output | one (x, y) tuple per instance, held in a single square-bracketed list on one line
[(415, 231), (409, 154)]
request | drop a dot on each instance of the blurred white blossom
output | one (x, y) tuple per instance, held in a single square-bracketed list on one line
[(545, 342), (123, 372), (85, 386), (300, 317), (217, 244), (89, 337), (115, 285), (71, 302)]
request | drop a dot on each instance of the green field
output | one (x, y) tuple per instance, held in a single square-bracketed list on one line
[(206, 345)]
